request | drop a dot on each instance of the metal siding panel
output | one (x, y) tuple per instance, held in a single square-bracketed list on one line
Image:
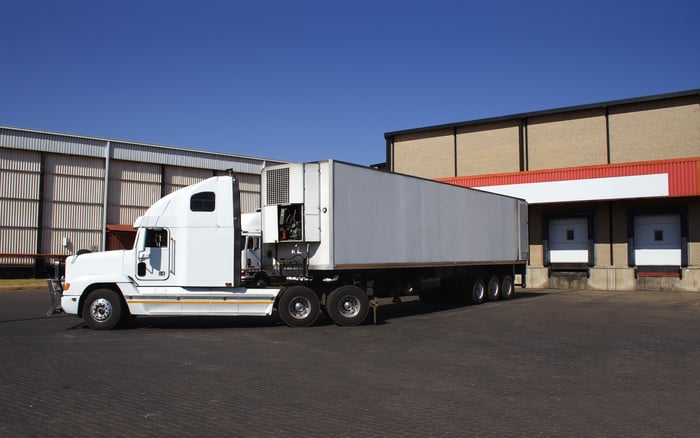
[(250, 202), (76, 189), (683, 175), (128, 215), (19, 185), (49, 142), (52, 242), (17, 241), (70, 216), (133, 194), (401, 209), (185, 158), (75, 165), (179, 177), (19, 160), (22, 139), (248, 182), (135, 171), (19, 213)]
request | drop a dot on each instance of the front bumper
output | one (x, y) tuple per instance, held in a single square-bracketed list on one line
[(56, 295)]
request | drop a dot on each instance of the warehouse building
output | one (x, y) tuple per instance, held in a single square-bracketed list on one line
[(60, 194), (613, 187)]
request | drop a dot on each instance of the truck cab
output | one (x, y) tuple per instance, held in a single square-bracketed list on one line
[(186, 260)]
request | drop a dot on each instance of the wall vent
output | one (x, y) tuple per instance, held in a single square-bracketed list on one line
[(277, 186)]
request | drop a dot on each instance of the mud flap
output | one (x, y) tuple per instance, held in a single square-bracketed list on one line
[(55, 293)]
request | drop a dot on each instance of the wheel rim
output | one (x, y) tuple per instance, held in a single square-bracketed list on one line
[(101, 310), (479, 291), (507, 288), (300, 307), (349, 306), (493, 289)]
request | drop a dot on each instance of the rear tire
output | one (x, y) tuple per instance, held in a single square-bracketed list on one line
[(493, 289), (298, 306), (348, 306), (478, 290), (507, 287), (103, 309)]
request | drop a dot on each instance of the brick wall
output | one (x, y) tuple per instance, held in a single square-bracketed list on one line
[(428, 155), (567, 140), (655, 130), (488, 148)]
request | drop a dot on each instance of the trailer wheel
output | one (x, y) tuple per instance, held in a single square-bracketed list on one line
[(478, 290), (299, 306), (507, 287), (348, 306), (493, 289), (102, 309)]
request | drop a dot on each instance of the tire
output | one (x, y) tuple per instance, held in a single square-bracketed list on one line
[(348, 306), (507, 287), (298, 306), (478, 291), (103, 309), (261, 281), (493, 288)]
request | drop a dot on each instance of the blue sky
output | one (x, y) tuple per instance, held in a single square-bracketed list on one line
[(310, 80)]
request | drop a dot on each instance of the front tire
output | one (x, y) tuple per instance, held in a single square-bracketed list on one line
[(348, 306), (298, 306), (103, 309)]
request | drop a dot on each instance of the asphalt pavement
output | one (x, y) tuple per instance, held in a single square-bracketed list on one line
[(547, 363)]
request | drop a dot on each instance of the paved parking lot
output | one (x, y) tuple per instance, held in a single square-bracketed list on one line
[(548, 363)]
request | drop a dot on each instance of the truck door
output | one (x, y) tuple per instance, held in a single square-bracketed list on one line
[(153, 257), (251, 252)]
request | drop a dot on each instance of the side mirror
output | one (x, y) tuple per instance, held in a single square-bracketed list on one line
[(144, 254)]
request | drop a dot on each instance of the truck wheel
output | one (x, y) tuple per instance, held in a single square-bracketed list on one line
[(507, 287), (348, 306), (261, 280), (493, 289), (298, 306), (478, 290), (102, 309)]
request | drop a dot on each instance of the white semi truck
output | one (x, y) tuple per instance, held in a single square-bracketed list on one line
[(333, 236)]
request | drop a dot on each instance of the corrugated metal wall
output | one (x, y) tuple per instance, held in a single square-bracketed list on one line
[(250, 192), (179, 177), (133, 187), (72, 203), (60, 180), (19, 204)]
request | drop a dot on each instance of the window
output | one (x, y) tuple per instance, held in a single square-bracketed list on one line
[(570, 235), (204, 201), (156, 238), (658, 235)]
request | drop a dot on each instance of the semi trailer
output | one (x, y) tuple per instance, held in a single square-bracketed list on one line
[(331, 237)]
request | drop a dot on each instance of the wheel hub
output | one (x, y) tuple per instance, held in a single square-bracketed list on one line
[(349, 307), (300, 308), (101, 309)]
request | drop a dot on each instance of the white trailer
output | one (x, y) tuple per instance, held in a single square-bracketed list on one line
[(334, 236)]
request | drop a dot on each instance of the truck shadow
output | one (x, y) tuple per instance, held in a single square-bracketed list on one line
[(385, 312), (414, 307)]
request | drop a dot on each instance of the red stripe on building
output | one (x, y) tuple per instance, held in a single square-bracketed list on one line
[(683, 175)]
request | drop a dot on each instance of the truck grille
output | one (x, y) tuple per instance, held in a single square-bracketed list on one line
[(277, 186)]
